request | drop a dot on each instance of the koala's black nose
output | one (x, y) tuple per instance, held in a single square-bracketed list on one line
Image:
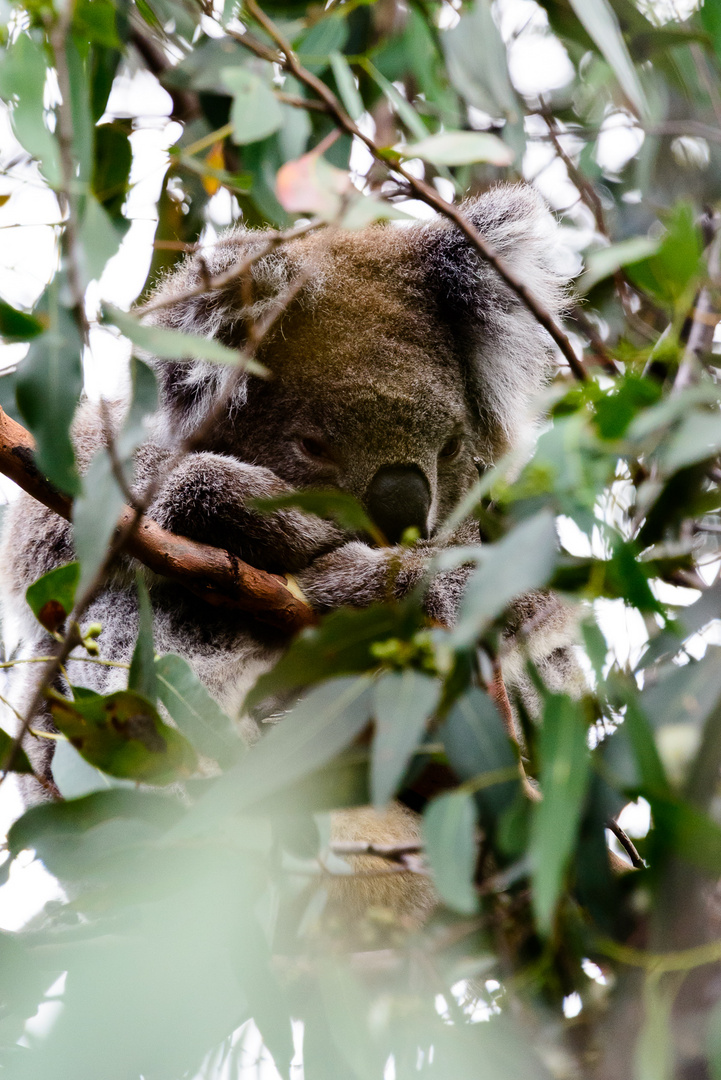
[(399, 498)]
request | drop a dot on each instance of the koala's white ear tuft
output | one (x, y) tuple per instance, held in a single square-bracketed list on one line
[(520, 228), (507, 354)]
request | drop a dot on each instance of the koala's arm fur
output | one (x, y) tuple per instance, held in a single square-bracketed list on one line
[(206, 498), (357, 575)]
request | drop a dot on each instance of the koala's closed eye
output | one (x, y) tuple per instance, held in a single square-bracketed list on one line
[(451, 448), (316, 449)]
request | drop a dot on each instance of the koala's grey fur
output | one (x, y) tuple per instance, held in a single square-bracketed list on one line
[(400, 339)]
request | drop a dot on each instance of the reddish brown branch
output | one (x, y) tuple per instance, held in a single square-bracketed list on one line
[(211, 573)]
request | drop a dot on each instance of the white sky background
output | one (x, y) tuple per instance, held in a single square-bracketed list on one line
[(28, 253)]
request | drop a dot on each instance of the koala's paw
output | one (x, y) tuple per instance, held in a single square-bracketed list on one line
[(358, 575), (210, 498), (353, 575)]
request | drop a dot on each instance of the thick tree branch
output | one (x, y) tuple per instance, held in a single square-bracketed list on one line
[(211, 573)]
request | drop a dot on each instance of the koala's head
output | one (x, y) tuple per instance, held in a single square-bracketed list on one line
[(402, 362)]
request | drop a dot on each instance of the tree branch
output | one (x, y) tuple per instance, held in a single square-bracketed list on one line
[(216, 576)]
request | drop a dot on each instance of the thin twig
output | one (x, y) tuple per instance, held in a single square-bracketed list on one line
[(627, 844), (273, 240), (64, 131)]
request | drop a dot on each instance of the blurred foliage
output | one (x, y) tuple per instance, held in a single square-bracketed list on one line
[(186, 916)]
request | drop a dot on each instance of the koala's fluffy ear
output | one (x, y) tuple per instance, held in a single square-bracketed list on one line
[(189, 388), (506, 354)]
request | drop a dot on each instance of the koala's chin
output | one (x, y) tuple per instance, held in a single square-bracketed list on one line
[(401, 362)]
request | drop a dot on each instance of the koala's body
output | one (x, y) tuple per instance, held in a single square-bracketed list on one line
[(401, 363)]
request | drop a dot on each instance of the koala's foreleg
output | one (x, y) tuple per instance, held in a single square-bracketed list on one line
[(206, 499)]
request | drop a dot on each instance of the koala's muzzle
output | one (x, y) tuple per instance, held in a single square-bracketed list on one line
[(399, 498)]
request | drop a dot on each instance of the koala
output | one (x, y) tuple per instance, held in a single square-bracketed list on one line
[(401, 366)]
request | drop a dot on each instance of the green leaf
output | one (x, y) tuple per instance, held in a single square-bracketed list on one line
[(23, 72), (52, 597), (521, 561), (477, 63), (320, 726), (111, 169), (123, 735), (196, 713), (18, 325), (564, 773), (347, 88), (75, 777), (141, 677), (325, 37), (400, 105), (477, 746), (99, 238), (97, 509), (338, 506), (20, 764), (255, 112), (671, 273), (459, 148), (693, 836), (174, 345), (403, 703), (95, 21), (697, 438), (449, 835), (341, 645), (604, 262), (83, 128), (599, 20), (48, 386)]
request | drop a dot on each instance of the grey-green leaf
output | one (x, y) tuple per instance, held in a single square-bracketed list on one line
[(404, 701), (142, 677), (564, 773), (174, 345), (605, 261), (599, 20), (255, 112), (196, 713), (449, 834), (522, 560), (48, 386), (460, 148), (346, 86)]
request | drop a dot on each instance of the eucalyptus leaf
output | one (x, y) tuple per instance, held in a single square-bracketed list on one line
[(564, 775), (604, 262), (449, 835), (123, 735), (522, 560), (460, 148), (23, 72), (403, 703), (255, 113), (52, 597), (48, 386), (476, 58), (346, 85), (599, 20), (338, 506), (20, 761), (142, 675), (174, 345), (18, 325), (196, 713)]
